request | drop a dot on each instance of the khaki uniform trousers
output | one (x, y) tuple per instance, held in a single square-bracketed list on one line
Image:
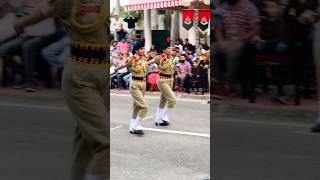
[(140, 106), (167, 96), (87, 95)]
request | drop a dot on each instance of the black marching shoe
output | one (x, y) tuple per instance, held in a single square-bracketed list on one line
[(138, 132), (163, 123), (316, 128)]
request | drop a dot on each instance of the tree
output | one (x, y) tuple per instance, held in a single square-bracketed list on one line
[(123, 13)]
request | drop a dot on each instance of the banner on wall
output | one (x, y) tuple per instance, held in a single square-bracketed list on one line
[(187, 17), (204, 19)]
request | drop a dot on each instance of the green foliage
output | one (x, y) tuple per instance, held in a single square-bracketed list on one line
[(137, 14)]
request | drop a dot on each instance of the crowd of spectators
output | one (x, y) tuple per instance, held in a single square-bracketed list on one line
[(35, 55), (244, 29), (191, 66)]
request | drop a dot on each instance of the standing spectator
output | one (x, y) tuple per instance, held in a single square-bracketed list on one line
[(131, 20), (117, 25), (238, 26), (121, 33)]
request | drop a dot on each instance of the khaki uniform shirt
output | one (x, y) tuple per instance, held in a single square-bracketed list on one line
[(165, 64), (62, 9), (138, 66)]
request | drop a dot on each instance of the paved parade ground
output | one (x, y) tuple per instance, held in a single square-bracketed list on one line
[(264, 143), (36, 134), (180, 151), (249, 142)]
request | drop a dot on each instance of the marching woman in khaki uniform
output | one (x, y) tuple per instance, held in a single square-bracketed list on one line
[(138, 65), (165, 85), (84, 79)]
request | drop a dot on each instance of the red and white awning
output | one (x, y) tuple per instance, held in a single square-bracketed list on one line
[(135, 5)]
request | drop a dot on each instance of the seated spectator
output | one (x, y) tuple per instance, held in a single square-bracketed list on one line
[(122, 58), (200, 70), (179, 45), (124, 46), (273, 39), (189, 46), (114, 50), (127, 78), (153, 49), (133, 41), (183, 72), (56, 54), (153, 75), (302, 15)]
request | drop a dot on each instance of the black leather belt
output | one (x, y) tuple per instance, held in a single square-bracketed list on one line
[(165, 75), (137, 78), (91, 54)]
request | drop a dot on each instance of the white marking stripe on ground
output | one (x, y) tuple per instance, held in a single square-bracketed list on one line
[(115, 127), (34, 106), (148, 118), (305, 132), (287, 124), (157, 97), (177, 132)]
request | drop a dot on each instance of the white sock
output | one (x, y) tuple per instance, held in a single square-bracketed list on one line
[(138, 123), (132, 124), (165, 114), (159, 115)]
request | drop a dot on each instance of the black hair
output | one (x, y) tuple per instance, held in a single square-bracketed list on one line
[(138, 46), (165, 46)]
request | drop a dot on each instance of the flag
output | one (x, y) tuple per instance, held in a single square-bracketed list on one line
[(204, 19), (187, 17)]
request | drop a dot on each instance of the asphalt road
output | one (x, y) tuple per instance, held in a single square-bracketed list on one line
[(35, 139), (36, 136), (247, 144), (176, 154), (264, 144)]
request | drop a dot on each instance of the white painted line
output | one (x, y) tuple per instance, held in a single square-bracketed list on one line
[(177, 132), (287, 124), (306, 133), (148, 118), (34, 106), (115, 128), (157, 97)]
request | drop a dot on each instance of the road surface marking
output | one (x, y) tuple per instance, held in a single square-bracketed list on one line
[(157, 97), (115, 127), (149, 117), (305, 132), (177, 132), (291, 124)]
